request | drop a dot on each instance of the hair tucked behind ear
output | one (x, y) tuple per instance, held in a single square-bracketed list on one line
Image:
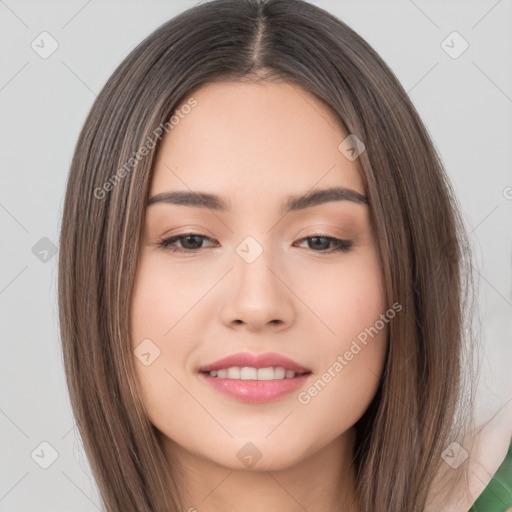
[(421, 405)]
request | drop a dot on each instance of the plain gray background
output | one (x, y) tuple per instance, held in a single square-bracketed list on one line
[(465, 102)]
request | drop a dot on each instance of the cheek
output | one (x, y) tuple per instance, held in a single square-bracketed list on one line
[(344, 387), (351, 303), (157, 305), (163, 294), (346, 298)]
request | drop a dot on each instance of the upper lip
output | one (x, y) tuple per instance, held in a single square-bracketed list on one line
[(266, 360)]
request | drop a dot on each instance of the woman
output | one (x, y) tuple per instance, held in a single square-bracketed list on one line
[(263, 276)]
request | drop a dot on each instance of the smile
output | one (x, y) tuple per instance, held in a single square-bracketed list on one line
[(250, 373), (254, 378)]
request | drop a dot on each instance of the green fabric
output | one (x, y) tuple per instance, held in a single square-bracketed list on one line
[(497, 496)]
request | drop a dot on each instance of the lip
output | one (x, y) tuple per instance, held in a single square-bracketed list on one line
[(265, 360), (255, 391)]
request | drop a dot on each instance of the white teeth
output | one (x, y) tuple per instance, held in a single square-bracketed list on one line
[(280, 373), (249, 373), (265, 373), (233, 373)]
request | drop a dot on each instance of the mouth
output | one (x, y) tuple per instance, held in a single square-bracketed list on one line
[(251, 373), (255, 378)]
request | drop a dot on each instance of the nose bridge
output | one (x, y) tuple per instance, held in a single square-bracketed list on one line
[(253, 265)]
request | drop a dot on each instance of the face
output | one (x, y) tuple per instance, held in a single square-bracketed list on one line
[(294, 298)]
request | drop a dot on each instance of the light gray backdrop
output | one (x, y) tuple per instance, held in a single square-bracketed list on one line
[(463, 96)]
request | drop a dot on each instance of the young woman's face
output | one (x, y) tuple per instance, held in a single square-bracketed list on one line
[(256, 279)]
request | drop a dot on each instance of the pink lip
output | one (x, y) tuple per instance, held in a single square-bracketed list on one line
[(267, 360), (255, 391)]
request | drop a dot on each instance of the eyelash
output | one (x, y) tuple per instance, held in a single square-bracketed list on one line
[(343, 245)]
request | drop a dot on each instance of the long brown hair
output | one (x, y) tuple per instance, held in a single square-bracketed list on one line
[(421, 404)]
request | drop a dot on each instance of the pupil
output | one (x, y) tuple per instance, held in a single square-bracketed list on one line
[(316, 238), (188, 238)]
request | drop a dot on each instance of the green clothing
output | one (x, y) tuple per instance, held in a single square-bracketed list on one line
[(497, 496)]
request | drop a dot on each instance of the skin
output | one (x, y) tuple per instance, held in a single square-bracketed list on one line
[(256, 144)]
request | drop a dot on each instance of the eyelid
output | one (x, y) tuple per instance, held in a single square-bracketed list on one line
[(166, 241)]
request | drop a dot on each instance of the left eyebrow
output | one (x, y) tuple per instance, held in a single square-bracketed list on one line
[(316, 197), (292, 203)]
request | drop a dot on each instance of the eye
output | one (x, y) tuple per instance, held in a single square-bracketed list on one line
[(322, 242), (192, 242)]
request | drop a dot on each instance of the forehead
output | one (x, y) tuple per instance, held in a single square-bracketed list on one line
[(243, 137)]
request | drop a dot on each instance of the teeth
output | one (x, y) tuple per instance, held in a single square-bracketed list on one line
[(280, 373), (233, 373), (248, 373)]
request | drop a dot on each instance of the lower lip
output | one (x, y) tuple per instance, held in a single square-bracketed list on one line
[(256, 391)]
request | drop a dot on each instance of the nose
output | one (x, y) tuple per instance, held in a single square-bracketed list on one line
[(256, 296)]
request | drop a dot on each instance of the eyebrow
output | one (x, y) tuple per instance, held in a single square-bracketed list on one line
[(292, 203)]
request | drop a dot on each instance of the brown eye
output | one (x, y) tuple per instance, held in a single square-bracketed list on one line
[(322, 244), (190, 242)]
